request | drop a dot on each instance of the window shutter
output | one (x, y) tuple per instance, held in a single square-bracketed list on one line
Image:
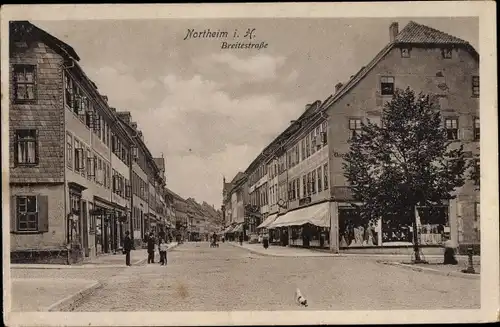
[(36, 146), (13, 215), (43, 213), (16, 150)]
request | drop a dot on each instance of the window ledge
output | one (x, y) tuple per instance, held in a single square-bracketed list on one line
[(31, 101), (27, 232), (26, 165)]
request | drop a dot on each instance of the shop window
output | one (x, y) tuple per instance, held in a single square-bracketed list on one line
[(475, 86), (434, 228), (353, 231), (451, 126), (354, 127), (394, 230), (26, 147), (24, 83), (477, 129), (387, 85)]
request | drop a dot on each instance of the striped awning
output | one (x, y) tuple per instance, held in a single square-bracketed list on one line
[(268, 221), (318, 215)]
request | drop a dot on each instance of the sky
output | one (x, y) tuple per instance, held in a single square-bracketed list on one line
[(211, 111)]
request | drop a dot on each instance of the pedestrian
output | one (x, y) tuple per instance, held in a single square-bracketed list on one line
[(151, 248), (241, 238), (163, 252), (265, 242), (127, 247)]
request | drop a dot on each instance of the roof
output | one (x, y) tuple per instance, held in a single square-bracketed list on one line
[(413, 33), (417, 33), (24, 26)]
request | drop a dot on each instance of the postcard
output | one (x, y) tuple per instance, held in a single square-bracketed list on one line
[(250, 164)]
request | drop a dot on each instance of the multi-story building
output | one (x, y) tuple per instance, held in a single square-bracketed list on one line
[(313, 194), (61, 129), (302, 210), (428, 61)]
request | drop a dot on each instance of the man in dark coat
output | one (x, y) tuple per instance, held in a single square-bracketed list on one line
[(127, 247), (151, 248)]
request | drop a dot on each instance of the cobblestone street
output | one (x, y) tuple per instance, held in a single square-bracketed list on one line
[(230, 278)]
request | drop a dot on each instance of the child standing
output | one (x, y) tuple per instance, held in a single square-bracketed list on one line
[(163, 252)]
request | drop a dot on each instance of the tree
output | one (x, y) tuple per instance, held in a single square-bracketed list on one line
[(405, 162)]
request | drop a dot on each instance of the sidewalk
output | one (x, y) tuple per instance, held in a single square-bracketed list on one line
[(282, 251), (137, 257), (48, 294)]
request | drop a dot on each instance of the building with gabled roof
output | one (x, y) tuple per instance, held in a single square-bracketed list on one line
[(425, 60)]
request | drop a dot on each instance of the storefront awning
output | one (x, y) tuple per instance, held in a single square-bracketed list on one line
[(237, 229), (268, 221), (228, 229), (317, 215)]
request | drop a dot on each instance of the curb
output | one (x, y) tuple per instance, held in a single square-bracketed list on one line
[(283, 256), (70, 302), (433, 271)]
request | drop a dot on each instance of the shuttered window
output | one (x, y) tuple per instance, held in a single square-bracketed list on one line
[(26, 147)]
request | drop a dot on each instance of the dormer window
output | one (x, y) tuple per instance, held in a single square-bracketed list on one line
[(405, 53), (447, 53)]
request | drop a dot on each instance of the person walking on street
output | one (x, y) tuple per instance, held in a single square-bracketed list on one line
[(163, 252), (127, 247), (151, 248), (241, 238)]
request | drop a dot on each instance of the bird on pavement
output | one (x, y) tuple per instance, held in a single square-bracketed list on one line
[(300, 299)]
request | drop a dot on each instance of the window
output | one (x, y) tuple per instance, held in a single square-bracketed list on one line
[(78, 157), (475, 86), (324, 129), (297, 155), (27, 213), (293, 190), (313, 182), (90, 165), (304, 186), (308, 148), (68, 91), (387, 85), (446, 53), (308, 183), (354, 127), (303, 146), (405, 53), (451, 125), (477, 127), (24, 82), (313, 141), (26, 147), (320, 184), (325, 176), (297, 188), (69, 151)]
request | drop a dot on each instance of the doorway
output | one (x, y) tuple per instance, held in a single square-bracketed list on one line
[(85, 232)]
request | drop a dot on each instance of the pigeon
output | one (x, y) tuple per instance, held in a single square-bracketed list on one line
[(300, 299)]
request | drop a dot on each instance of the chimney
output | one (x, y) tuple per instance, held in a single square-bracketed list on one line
[(393, 31), (338, 86), (308, 106), (105, 98), (139, 133), (133, 125)]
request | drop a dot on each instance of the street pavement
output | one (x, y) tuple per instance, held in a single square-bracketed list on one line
[(229, 278)]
